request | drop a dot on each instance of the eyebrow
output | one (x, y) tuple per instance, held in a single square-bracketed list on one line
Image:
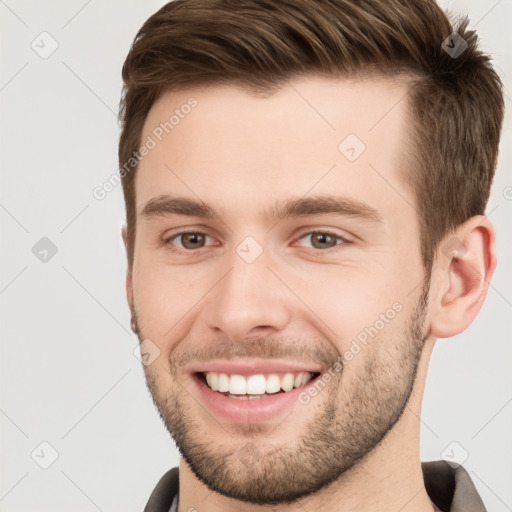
[(313, 205)]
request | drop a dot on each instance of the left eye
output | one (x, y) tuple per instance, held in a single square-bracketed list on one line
[(190, 240), (323, 239)]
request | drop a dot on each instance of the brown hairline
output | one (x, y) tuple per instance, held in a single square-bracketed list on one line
[(456, 105)]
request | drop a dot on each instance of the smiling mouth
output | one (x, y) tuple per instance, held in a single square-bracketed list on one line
[(256, 386)]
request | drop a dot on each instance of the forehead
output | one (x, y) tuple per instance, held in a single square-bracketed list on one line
[(312, 135)]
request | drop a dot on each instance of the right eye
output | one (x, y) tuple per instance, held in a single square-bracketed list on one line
[(188, 240)]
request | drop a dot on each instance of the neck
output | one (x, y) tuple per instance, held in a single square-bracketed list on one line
[(389, 478)]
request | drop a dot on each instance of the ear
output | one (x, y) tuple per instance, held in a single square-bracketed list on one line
[(129, 281), (465, 263)]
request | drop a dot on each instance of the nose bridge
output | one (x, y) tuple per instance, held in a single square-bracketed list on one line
[(248, 298)]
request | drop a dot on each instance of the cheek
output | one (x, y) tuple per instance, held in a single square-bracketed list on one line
[(347, 302), (165, 299)]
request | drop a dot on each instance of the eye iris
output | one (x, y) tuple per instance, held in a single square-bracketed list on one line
[(195, 240), (323, 239)]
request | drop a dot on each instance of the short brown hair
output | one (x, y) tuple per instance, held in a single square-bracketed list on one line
[(456, 103)]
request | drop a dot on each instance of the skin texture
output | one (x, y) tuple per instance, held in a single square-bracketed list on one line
[(301, 299)]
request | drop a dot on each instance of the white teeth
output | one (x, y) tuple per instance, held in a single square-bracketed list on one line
[(223, 383), (273, 384), (245, 397), (214, 380), (287, 382), (255, 385), (237, 385)]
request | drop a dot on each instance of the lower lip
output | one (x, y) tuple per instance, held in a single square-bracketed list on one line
[(248, 411)]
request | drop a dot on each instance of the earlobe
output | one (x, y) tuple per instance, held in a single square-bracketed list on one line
[(123, 235), (465, 263), (129, 283)]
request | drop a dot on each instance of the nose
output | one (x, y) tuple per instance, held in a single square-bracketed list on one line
[(248, 301)]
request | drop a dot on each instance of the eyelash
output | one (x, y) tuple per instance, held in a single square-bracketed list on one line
[(168, 240)]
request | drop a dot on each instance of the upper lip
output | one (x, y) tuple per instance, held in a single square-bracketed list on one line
[(254, 366)]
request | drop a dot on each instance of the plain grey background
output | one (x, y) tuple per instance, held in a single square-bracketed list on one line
[(69, 377)]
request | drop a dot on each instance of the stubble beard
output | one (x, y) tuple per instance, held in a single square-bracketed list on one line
[(353, 419)]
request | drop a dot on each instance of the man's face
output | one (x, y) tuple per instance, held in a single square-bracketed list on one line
[(249, 291)]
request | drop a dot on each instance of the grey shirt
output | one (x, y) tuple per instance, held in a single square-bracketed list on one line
[(450, 489)]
